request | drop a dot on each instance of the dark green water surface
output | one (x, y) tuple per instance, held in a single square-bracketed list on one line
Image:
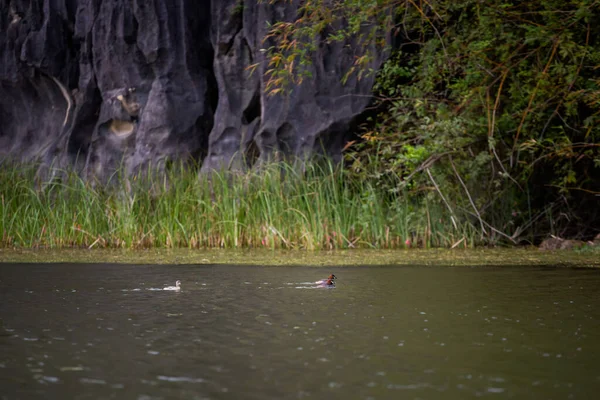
[(89, 331)]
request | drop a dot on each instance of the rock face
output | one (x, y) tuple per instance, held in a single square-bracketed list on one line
[(99, 84)]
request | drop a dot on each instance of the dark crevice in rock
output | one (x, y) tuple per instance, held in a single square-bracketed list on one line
[(252, 111), (83, 127), (251, 155), (225, 47), (266, 142), (329, 142), (286, 138)]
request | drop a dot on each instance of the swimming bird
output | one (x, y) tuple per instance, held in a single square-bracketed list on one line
[(177, 287), (327, 282)]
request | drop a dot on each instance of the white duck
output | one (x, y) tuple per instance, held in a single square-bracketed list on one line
[(177, 287)]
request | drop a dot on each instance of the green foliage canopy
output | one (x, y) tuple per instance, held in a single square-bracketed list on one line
[(491, 96)]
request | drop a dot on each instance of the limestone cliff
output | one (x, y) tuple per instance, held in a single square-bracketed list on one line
[(100, 83)]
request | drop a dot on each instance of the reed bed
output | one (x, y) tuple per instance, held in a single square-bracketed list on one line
[(274, 207)]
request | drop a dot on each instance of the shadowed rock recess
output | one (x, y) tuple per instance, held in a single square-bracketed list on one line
[(99, 84)]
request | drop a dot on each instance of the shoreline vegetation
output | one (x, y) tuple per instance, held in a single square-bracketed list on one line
[(488, 108), (272, 207), (478, 257)]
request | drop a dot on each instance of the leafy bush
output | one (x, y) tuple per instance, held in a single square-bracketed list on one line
[(479, 102)]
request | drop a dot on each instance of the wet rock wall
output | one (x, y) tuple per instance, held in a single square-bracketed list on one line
[(104, 84)]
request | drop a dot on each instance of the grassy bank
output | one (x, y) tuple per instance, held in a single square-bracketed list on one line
[(479, 257), (323, 208)]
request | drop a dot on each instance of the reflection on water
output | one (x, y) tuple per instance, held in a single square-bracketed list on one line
[(96, 331)]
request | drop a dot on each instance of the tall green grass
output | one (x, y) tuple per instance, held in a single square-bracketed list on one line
[(275, 207)]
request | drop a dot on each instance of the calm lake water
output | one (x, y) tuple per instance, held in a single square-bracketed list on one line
[(240, 332)]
